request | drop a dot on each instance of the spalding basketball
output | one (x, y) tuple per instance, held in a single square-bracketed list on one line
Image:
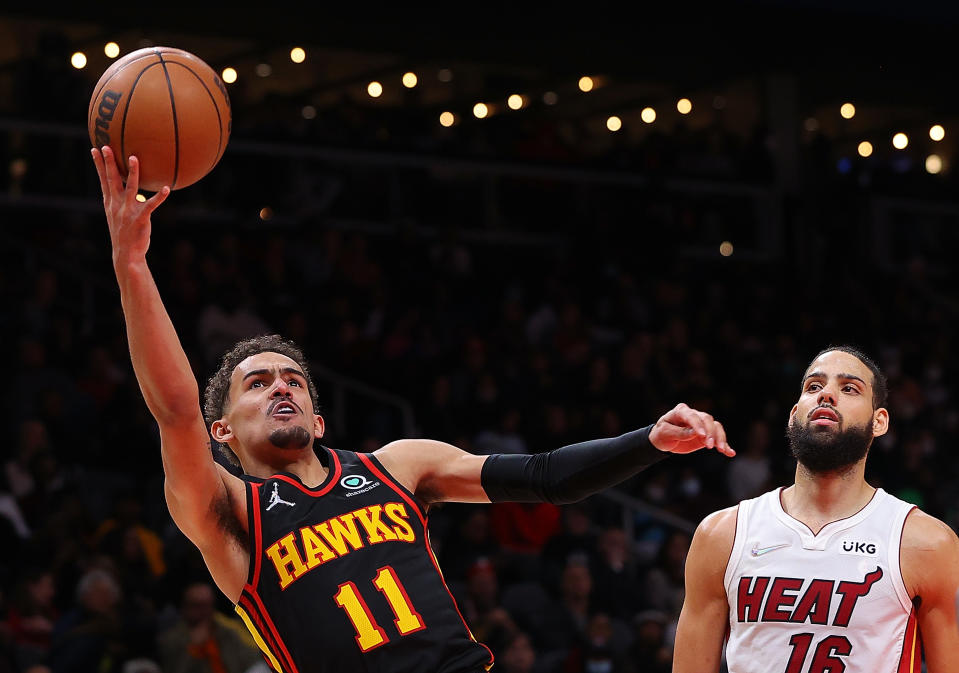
[(168, 108)]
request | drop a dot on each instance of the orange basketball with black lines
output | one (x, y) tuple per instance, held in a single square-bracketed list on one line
[(167, 107)]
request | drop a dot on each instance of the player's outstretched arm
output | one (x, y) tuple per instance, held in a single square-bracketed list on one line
[(929, 558), (705, 613), (193, 480), (436, 471)]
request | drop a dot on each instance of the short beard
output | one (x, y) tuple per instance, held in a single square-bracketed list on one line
[(821, 452), (295, 437)]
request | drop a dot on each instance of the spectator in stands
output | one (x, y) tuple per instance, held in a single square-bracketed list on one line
[(617, 590), (470, 540), (750, 474), (665, 583), (517, 654), (564, 626), (650, 652), (137, 550), (32, 440), (604, 648), (575, 539), (522, 530), (32, 616), (90, 636), (488, 620), (203, 640)]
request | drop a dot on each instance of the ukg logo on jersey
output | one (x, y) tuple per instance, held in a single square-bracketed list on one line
[(859, 548)]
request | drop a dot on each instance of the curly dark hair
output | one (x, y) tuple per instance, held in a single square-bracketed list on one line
[(217, 392), (880, 386)]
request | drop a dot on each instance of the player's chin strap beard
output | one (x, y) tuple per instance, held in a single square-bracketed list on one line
[(291, 438), (823, 452)]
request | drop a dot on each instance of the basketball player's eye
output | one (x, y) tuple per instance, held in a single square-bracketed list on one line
[(294, 382), (256, 384)]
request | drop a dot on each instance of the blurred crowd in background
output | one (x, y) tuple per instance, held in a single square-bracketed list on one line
[(595, 326)]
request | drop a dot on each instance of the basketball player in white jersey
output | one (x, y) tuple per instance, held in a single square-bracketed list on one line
[(828, 575)]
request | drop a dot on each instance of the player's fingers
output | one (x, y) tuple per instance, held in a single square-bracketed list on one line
[(154, 201), (706, 422), (719, 434), (722, 445), (709, 423), (133, 178), (113, 180), (684, 417), (98, 162)]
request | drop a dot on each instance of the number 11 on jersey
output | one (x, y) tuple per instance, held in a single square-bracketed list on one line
[(369, 634)]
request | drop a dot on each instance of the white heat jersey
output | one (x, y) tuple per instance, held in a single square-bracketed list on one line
[(828, 603)]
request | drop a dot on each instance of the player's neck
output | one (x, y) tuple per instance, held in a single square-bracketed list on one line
[(304, 464), (818, 499)]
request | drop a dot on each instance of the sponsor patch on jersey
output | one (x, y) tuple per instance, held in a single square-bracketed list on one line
[(357, 483), (859, 547)]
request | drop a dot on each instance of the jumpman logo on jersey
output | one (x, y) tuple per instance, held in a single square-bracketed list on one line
[(275, 499)]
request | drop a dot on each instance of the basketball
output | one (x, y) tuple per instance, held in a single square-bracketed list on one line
[(168, 108)]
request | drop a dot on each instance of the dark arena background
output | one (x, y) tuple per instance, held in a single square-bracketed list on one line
[(685, 205)]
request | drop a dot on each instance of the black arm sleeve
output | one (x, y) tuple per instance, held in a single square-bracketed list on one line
[(570, 473)]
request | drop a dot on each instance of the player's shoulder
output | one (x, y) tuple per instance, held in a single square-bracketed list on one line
[(712, 544), (417, 457), (720, 518), (719, 526), (928, 555), (923, 532)]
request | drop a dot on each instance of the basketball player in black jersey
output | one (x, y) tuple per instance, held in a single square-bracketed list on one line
[(325, 553)]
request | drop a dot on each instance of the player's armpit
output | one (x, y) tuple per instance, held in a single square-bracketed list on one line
[(705, 613), (208, 504), (196, 487), (929, 558)]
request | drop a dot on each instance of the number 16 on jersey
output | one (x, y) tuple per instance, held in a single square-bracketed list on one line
[(825, 657)]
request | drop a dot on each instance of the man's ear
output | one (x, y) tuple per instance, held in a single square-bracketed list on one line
[(221, 431), (880, 422), (792, 413), (319, 426)]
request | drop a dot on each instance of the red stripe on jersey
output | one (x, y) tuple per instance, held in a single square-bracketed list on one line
[(337, 470), (272, 628), (392, 484), (257, 535), (254, 614), (911, 659), (429, 550)]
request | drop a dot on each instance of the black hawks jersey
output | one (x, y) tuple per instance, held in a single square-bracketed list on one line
[(342, 577)]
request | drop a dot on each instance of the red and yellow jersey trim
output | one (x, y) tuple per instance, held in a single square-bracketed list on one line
[(910, 661)]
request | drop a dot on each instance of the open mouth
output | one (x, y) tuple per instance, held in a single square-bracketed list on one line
[(283, 408), (824, 416)]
